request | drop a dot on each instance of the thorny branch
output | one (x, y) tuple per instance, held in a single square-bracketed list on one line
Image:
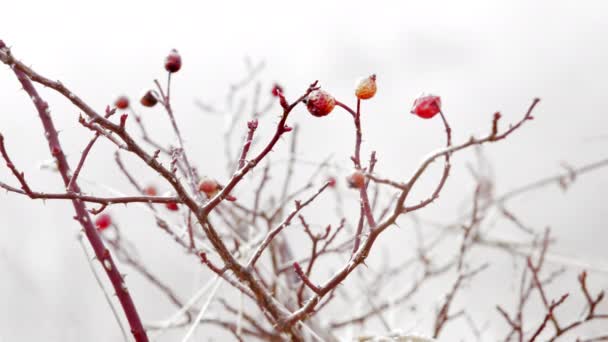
[(230, 238)]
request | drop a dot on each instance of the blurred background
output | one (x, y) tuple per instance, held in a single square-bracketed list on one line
[(479, 56)]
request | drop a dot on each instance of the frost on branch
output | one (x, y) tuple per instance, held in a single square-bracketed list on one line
[(291, 268)]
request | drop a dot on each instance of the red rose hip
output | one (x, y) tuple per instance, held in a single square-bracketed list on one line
[(172, 206), (103, 221), (122, 102), (427, 106), (173, 62), (148, 99), (209, 187), (356, 180), (320, 103)]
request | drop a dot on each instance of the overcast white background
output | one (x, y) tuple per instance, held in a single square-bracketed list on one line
[(480, 56)]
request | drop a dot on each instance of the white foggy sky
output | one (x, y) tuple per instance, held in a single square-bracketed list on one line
[(480, 56)]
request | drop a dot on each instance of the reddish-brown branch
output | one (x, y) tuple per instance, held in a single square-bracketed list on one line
[(252, 126), (315, 239), (527, 286), (305, 278), (366, 210), (264, 287), (534, 270), (443, 315), (123, 255), (444, 175), (93, 127), (363, 251), (290, 163), (145, 137), (450, 150), (166, 102), (127, 174), (97, 120), (270, 236), (428, 274), (236, 178), (250, 319), (101, 252), (19, 175), (549, 316), (387, 181), (222, 273), (83, 157), (93, 199), (514, 325), (258, 193)]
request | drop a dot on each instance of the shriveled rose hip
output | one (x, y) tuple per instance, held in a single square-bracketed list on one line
[(332, 182), (122, 102), (320, 103), (173, 62), (356, 180), (148, 99), (209, 186), (366, 88), (427, 106), (103, 221)]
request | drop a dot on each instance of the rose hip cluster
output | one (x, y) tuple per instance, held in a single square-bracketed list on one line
[(173, 63), (320, 103), (149, 98)]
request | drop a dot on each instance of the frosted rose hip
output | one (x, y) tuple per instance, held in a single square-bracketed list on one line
[(427, 106), (320, 103), (173, 62), (366, 88)]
